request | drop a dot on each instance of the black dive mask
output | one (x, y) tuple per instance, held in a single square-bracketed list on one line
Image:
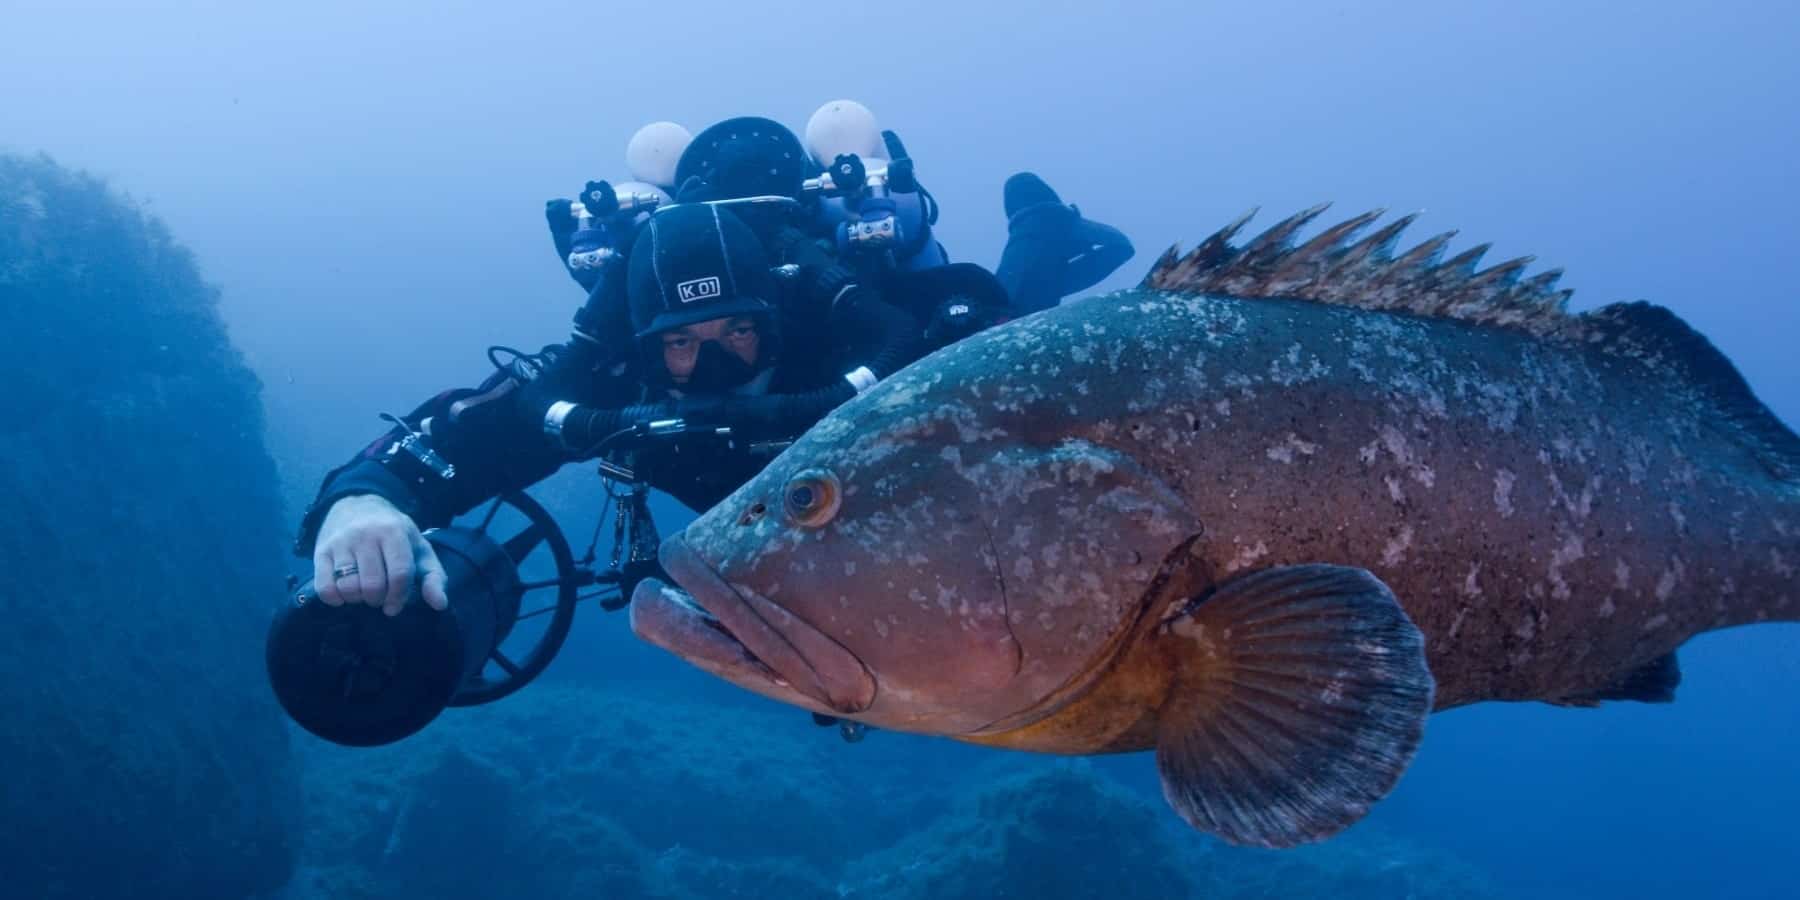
[(717, 370)]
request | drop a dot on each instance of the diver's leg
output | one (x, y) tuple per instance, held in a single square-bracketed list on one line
[(1038, 229), (1100, 251), (1051, 251)]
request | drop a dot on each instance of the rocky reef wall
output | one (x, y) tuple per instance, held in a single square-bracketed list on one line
[(143, 753)]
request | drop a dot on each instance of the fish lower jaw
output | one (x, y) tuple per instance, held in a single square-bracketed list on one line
[(748, 638), (668, 617), (686, 601)]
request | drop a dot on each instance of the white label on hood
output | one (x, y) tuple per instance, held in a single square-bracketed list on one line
[(698, 289)]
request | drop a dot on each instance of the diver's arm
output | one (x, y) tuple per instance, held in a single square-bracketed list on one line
[(362, 530), (480, 463), (480, 432), (883, 339)]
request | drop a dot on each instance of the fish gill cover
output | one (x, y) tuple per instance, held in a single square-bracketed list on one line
[(141, 753)]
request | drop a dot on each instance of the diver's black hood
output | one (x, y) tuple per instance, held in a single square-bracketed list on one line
[(695, 262)]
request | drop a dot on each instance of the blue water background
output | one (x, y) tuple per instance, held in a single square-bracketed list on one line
[(365, 183)]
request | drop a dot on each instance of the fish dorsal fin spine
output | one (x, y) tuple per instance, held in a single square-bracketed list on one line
[(1336, 268)]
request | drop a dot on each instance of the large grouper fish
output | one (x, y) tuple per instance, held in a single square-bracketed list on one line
[(1262, 514)]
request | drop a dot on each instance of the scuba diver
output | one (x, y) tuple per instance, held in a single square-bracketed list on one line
[(734, 299), (717, 340)]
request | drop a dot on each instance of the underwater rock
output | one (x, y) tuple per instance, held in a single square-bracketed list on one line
[(1361, 864), (142, 522), (563, 791), (1053, 832), (561, 785), (681, 874), (1064, 831)]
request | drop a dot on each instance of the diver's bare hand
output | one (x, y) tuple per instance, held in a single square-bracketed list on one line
[(385, 550)]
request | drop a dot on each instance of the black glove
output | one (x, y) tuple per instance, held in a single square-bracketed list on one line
[(823, 284)]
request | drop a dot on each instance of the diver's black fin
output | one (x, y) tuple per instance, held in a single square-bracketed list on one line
[(1661, 340), (1300, 696), (1652, 682)]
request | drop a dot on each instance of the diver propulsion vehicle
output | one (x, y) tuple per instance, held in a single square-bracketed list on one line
[(358, 677), (355, 676)]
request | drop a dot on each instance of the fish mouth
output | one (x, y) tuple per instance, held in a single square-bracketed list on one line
[(745, 638)]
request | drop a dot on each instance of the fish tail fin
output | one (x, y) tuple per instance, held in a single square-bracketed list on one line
[(1299, 698), (1661, 340)]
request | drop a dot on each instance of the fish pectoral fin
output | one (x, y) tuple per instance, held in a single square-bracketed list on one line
[(1652, 682), (1299, 697)]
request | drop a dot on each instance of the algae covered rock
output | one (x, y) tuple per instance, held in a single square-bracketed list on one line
[(1362, 864), (558, 786), (1051, 832), (563, 791), (1063, 832), (143, 752)]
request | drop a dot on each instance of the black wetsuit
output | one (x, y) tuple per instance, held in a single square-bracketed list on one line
[(493, 434)]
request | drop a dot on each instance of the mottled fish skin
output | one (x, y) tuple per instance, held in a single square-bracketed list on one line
[(1550, 512), (1264, 536)]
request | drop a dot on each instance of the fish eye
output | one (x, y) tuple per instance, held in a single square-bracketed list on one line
[(811, 498)]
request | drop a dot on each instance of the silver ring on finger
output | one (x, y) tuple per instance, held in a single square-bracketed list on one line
[(344, 571)]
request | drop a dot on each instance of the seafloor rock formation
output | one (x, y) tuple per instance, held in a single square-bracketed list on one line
[(556, 786), (1060, 830), (576, 792), (143, 754)]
